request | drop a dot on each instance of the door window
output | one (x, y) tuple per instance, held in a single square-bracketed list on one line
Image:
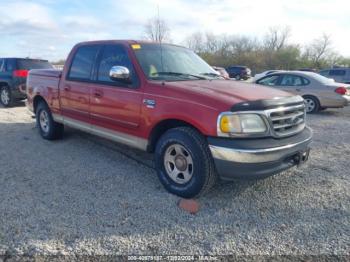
[(83, 62), (292, 80), (269, 80), (114, 55)]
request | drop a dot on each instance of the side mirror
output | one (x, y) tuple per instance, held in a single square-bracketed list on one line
[(119, 73)]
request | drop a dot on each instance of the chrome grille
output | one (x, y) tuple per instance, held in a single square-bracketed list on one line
[(286, 121)]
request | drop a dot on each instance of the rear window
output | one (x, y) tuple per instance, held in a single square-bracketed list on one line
[(324, 72), (27, 64), (2, 65), (337, 72), (83, 62)]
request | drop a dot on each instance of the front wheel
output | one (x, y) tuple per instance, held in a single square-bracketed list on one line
[(48, 128), (184, 163)]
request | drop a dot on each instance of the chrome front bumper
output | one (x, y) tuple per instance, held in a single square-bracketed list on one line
[(255, 155), (260, 158)]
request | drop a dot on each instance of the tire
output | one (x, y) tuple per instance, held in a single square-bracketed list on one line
[(238, 77), (6, 98), (312, 104), (185, 152), (48, 128)]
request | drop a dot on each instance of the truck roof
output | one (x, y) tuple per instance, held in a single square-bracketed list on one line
[(24, 58), (126, 41)]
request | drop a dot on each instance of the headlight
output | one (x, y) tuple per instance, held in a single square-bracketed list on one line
[(240, 124)]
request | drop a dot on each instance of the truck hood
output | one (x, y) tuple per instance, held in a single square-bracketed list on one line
[(230, 92)]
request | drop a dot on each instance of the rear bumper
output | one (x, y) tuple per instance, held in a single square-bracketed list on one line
[(258, 158), (346, 100)]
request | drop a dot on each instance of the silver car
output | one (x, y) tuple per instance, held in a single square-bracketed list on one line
[(318, 91)]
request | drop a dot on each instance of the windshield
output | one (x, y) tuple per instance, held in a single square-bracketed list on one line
[(28, 64), (172, 63)]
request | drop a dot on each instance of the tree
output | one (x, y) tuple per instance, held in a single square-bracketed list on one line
[(271, 52), (276, 38), (319, 51), (157, 30), (195, 42)]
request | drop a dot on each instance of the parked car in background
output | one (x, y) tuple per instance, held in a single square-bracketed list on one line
[(13, 75), (239, 72), (222, 72), (265, 73), (307, 70), (318, 91), (200, 126), (341, 75)]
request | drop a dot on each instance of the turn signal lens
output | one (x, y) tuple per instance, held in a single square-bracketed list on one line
[(224, 124)]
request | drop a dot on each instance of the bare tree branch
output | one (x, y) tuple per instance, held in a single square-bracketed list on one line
[(319, 49), (276, 38), (157, 30)]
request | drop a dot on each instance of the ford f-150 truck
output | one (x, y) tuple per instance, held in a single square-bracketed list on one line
[(165, 99)]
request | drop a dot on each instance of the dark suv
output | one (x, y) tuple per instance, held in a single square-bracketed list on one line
[(13, 76), (239, 72)]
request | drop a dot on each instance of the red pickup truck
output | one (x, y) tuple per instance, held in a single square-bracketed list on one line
[(165, 99)]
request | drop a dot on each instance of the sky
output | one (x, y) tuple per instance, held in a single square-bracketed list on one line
[(50, 28)]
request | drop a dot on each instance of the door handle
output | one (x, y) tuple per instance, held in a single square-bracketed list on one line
[(298, 89), (98, 94), (66, 88)]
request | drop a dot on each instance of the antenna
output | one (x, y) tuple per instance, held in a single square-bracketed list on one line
[(160, 39)]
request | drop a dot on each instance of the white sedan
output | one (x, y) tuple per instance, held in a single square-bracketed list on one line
[(265, 73)]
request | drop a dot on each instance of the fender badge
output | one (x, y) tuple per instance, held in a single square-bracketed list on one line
[(150, 103)]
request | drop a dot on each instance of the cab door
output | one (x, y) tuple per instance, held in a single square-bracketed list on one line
[(115, 105), (75, 89)]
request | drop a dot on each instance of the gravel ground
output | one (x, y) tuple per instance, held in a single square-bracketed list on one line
[(86, 196)]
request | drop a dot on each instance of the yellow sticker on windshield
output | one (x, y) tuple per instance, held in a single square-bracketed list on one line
[(136, 46)]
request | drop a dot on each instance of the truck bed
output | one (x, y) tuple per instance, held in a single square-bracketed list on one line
[(46, 72), (46, 82)]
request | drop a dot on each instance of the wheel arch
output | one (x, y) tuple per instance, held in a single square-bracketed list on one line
[(3, 83), (36, 100), (312, 96), (161, 127)]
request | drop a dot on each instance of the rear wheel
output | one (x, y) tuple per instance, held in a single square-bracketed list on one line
[(48, 128), (5, 96), (238, 77), (312, 104), (184, 163)]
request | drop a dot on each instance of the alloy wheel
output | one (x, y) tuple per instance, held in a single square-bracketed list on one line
[(178, 164), (310, 105), (44, 121), (5, 96)]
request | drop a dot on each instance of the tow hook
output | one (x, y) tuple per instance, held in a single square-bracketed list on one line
[(301, 157)]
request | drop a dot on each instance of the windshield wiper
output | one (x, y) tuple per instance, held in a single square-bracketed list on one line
[(212, 75), (180, 74)]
